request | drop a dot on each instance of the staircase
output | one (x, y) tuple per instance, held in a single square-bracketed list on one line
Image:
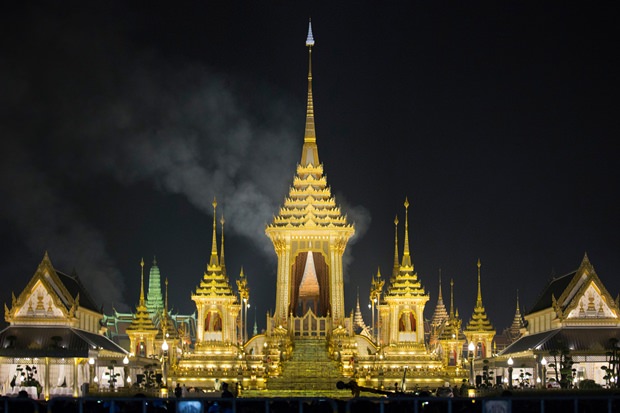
[(310, 370)]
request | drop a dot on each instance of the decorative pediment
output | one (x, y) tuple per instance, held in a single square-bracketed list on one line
[(591, 303), (45, 299), (586, 297), (38, 304)]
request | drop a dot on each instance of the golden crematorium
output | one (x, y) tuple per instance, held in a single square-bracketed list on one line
[(58, 340)]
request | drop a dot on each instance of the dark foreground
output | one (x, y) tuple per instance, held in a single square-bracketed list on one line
[(531, 403)]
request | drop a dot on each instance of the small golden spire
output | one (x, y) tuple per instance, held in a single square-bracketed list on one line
[(166, 303), (406, 254), (396, 265), (451, 297), (222, 264), (214, 259), (141, 281), (479, 300), (440, 298)]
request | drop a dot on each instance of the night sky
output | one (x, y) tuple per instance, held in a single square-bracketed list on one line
[(121, 122)]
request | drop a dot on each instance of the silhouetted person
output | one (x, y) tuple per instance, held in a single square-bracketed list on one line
[(178, 391), (225, 392), (226, 407)]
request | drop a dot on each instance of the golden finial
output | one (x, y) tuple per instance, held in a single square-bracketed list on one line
[(310, 154), (214, 259), (406, 254), (479, 300), (166, 296), (452, 296), (141, 281), (440, 293), (396, 267), (222, 264)]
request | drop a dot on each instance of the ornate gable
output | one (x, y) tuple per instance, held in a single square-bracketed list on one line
[(592, 304), (45, 300), (586, 297)]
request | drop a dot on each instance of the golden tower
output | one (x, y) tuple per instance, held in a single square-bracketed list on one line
[(216, 304), (309, 235), (142, 330), (479, 330), (402, 312)]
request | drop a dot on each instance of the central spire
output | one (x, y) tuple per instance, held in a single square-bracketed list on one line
[(310, 154)]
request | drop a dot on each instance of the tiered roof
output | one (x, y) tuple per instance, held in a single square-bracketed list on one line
[(142, 321), (214, 283), (405, 284), (441, 314), (479, 321), (154, 300), (310, 203)]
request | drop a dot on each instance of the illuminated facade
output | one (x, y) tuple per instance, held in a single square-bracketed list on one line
[(310, 342), (54, 331), (574, 314)]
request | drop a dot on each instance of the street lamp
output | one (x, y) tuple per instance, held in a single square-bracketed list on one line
[(510, 363), (91, 368), (543, 363), (246, 305), (164, 349), (126, 368), (471, 347)]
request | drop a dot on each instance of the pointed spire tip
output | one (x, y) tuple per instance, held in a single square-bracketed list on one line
[(310, 38)]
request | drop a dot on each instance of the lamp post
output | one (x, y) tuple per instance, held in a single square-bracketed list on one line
[(543, 363), (91, 369), (471, 347), (510, 363), (375, 298), (126, 369), (164, 349), (245, 319)]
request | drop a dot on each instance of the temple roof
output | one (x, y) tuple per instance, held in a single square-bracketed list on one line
[(479, 321), (563, 293), (66, 291), (406, 283), (142, 321), (58, 341), (441, 314), (577, 339), (214, 282), (310, 203)]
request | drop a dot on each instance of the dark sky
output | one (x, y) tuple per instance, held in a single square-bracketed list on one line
[(498, 120)]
